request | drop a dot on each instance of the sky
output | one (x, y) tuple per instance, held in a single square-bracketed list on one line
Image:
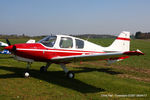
[(43, 17)]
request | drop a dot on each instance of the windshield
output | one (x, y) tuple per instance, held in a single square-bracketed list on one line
[(48, 41)]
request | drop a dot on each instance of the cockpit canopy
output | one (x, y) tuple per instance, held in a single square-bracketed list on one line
[(63, 42), (48, 41)]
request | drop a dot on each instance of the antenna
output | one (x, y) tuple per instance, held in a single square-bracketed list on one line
[(88, 38)]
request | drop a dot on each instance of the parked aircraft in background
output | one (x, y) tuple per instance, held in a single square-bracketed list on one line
[(31, 41), (63, 49), (5, 52), (2, 44)]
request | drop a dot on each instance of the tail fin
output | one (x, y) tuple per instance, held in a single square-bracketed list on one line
[(31, 41), (122, 43)]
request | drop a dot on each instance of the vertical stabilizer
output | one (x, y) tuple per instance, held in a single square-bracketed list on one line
[(122, 43)]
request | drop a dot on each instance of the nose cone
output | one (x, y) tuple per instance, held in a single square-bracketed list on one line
[(9, 47)]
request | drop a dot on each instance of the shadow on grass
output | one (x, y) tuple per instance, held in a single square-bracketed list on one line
[(6, 57), (105, 70), (55, 77)]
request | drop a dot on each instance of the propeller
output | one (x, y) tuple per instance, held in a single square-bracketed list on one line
[(8, 42), (10, 47)]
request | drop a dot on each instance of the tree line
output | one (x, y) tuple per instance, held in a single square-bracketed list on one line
[(140, 35)]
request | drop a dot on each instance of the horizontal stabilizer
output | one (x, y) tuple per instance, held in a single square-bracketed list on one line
[(132, 53)]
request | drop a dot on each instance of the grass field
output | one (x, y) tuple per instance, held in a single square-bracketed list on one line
[(125, 80)]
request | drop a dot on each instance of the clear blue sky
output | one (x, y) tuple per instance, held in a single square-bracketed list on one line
[(36, 17)]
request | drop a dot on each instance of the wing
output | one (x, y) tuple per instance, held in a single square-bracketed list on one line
[(93, 57), (2, 44)]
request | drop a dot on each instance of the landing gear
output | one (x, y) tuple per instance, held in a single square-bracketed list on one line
[(44, 68), (26, 74), (69, 74)]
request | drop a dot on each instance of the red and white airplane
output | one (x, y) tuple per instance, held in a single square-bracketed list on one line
[(63, 49)]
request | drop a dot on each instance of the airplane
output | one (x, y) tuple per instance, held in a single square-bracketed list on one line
[(64, 49), (5, 52), (2, 44)]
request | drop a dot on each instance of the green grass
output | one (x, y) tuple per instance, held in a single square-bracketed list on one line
[(93, 80)]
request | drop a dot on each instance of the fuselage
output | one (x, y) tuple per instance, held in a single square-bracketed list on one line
[(63, 45)]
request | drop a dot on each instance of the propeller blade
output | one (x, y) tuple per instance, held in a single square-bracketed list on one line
[(8, 42), (14, 49)]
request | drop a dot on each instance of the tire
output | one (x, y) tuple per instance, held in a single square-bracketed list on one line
[(26, 74), (70, 75), (43, 69)]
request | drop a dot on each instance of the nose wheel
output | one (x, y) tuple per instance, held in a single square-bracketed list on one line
[(26, 74)]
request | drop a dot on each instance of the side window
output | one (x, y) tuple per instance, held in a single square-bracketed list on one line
[(66, 42), (79, 44)]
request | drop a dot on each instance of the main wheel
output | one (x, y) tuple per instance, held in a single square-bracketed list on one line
[(43, 69), (70, 74), (26, 74)]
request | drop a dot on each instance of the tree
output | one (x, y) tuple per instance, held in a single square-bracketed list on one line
[(138, 35)]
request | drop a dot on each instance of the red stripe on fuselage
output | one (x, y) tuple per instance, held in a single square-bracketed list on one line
[(39, 46), (46, 55), (38, 52), (126, 39)]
